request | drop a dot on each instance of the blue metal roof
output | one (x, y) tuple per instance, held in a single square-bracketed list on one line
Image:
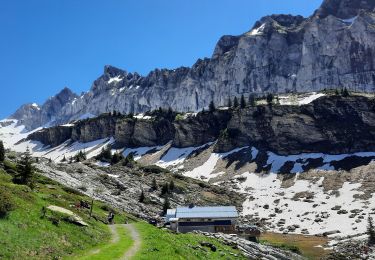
[(206, 212)]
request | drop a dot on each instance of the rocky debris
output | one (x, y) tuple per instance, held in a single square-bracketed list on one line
[(352, 250), (252, 250), (120, 186), (281, 53), (342, 211)]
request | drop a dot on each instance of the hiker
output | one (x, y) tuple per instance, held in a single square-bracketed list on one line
[(111, 216)]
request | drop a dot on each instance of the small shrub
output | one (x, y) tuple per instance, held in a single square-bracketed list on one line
[(6, 203), (82, 188), (108, 208), (153, 169), (179, 117), (72, 191)]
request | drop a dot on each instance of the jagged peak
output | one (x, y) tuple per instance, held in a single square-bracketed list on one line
[(112, 71), (344, 9)]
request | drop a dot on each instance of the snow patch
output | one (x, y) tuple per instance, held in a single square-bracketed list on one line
[(115, 79), (205, 171), (258, 31)]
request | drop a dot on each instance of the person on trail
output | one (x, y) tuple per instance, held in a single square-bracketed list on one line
[(111, 216)]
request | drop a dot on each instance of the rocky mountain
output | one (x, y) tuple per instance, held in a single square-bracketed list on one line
[(333, 48), (33, 116)]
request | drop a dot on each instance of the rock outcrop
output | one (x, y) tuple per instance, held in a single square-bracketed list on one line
[(333, 48), (330, 124)]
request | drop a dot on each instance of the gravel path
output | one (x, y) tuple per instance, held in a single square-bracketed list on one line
[(137, 242)]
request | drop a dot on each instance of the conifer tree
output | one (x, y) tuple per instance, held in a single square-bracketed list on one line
[(235, 102), (165, 189), (142, 197), (345, 92), (25, 171), (252, 100), (2, 151), (171, 185), (242, 102), (371, 232), (269, 99), (166, 205), (212, 106), (154, 184)]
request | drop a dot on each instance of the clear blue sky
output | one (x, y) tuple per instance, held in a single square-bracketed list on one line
[(48, 44)]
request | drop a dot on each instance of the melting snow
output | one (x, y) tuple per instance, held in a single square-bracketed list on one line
[(86, 116), (35, 105), (142, 116), (114, 79), (204, 171), (258, 31), (265, 189), (277, 161), (140, 151), (299, 100), (176, 156), (350, 20)]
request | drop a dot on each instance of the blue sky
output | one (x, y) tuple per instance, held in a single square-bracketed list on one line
[(48, 44)]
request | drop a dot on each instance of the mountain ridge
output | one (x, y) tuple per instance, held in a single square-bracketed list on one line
[(280, 54)]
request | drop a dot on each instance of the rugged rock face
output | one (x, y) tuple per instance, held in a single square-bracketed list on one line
[(345, 8), (331, 125), (333, 48), (33, 116)]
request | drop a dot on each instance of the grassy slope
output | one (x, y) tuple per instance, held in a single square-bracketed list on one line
[(24, 234), (162, 244), (307, 245)]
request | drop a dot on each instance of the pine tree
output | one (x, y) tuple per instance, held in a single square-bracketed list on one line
[(337, 92), (235, 102), (164, 189), (105, 154), (269, 99), (242, 102), (80, 156), (252, 100), (212, 106), (166, 205), (63, 159), (171, 185), (230, 103), (2, 151), (25, 171), (116, 158), (371, 232), (142, 197), (345, 92), (154, 184)]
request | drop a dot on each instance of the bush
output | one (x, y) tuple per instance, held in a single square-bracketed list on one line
[(6, 203), (179, 117), (108, 208), (153, 169), (72, 191)]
